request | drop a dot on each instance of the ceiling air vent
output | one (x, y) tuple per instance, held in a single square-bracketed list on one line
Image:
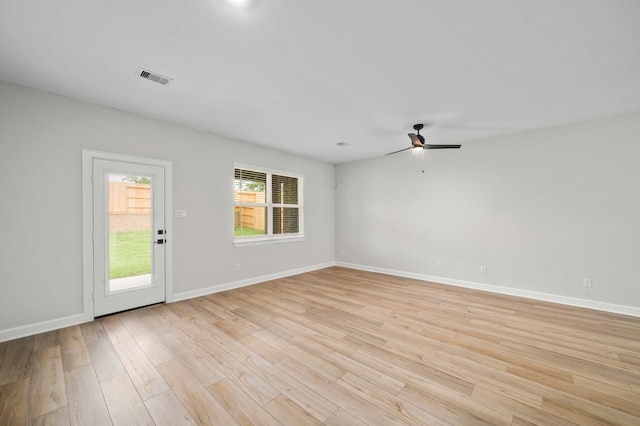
[(150, 75)]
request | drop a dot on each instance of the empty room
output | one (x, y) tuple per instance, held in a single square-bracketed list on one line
[(281, 212)]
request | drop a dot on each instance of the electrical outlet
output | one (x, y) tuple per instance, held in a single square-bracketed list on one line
[(237, 267), (483, 269), (586, 282), (440, 264)]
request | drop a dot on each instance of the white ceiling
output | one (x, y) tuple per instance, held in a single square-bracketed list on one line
[(303, 75)]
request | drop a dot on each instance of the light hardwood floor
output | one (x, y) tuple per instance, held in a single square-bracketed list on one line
[(336, 347)]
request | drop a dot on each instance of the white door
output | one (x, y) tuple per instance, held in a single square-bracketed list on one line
[(129, 235)]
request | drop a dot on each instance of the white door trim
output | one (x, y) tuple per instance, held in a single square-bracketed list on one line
[(87, 222)]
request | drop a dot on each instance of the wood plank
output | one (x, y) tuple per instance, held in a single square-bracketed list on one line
[(166, 409), (215, 335), (155, 322), (14, 397), (146, 338), (581, 412), (289, 413), (411, 372), (525, 412), (189, 354), (47, 391), (143, 374), (202, 406), (455, 408), (343, 417), (3, 351), (309, 399), (296, 352), (124, 403), (238, 372), (73, 348), (240, 405), (362, 408), (16, 364), (623, 391), (381, 380), (402, 409), (498, 381), (153, 348), (46, 340), (266, 351), (57, 417), (165, 312), (193, 327), (608, 401), (104, 358), (86, 402)]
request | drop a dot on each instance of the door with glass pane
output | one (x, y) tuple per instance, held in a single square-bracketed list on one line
[(128, 236)]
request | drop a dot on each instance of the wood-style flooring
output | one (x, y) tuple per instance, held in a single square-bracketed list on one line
[(335, 347)]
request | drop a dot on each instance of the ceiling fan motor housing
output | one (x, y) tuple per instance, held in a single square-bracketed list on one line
[(417, 128)]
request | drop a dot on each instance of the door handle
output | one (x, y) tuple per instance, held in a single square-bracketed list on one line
[(161, 240)]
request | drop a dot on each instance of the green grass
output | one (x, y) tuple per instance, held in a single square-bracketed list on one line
[(247, 232), (129, 254)]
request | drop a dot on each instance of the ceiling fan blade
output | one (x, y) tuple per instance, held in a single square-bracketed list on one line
[(415, 140), (428, 146), (400, 150)]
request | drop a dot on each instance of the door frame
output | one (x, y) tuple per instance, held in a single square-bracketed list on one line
[(87, 222)]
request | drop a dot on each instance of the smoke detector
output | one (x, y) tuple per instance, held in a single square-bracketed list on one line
[(154, 76)]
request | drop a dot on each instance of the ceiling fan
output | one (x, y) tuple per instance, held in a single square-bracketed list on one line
[(418, 144)]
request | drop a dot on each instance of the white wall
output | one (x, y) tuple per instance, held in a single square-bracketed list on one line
[(541, 210), (41, 141)]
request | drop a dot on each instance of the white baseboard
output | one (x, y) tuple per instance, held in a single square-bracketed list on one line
[(243, 283), (547, 297), (42, 327)]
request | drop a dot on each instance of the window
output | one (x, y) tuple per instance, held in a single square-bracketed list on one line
[(267, 205)]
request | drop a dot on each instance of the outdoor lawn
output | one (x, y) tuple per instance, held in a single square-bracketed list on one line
[(245, 231), (129, 253)]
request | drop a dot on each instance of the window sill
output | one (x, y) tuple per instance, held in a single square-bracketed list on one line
[(258, 241)]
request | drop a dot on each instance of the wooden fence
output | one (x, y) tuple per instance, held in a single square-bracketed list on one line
[(129, 207), (247, 216)]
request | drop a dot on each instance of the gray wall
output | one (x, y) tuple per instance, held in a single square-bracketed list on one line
[(541, 210), (41, 141)]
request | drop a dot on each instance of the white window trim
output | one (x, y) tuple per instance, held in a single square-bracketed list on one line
[(274, 239)]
